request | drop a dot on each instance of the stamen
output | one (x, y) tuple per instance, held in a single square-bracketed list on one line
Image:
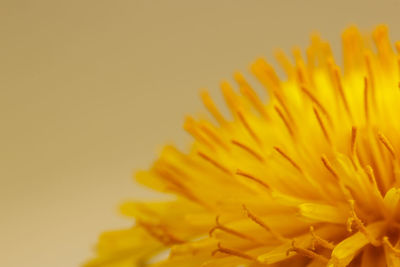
[(300, 75), (283, 104), (316, 102), (353, 152), (176, 185), (249, 150), (251, 177), (317, 240), (284, 62), (215, 163), (263, 225), (387, 144), (271, 74), (349, 224), (360, 225), (208, 130), (300, 68), (382, 43), (191, 127), (248, 92), (233, 253), (248, 128), (340, 89), (353, 140), (288, 126), (398, 66), (386, 242), (209, 104), (321, 124), (267, 76), (371, 176), (306, 253), (366, 106), (291, 161), (230, 97), (370, 75), (397, 45), (160, 233), (169, 176), (328, 166), (219, 226)]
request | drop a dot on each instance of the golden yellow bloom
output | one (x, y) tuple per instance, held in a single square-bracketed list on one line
[(312, 178)]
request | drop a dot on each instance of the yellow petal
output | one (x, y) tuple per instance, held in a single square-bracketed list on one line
[(391, 199), (323, 213), (392, 260), (124, 248), (346, 250)]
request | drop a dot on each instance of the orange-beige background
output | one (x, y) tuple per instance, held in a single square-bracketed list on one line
[(91, 90)]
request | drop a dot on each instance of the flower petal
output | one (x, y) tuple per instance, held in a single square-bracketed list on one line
[(346, 250)]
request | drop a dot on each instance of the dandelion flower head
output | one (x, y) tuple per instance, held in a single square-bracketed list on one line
[(310, 177)]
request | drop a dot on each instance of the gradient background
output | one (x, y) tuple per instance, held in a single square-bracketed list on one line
[(91, 90)]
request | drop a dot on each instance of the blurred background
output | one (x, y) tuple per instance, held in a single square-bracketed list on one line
[(91, 90)]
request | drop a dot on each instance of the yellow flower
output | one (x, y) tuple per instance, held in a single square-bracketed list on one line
[(312, 178)]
